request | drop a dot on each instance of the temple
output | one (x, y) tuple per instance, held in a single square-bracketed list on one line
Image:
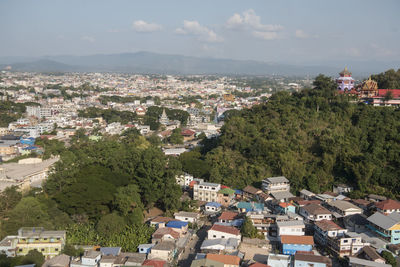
[(345, 82), (164, 118)]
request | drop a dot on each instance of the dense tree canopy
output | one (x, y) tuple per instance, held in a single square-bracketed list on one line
[(389, 79), (315, 138)]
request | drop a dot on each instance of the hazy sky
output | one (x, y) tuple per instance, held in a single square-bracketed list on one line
[(308, 31)]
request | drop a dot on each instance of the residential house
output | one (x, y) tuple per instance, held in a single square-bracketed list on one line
[(369, 253), (279, 260), (107, 261), (220, 231), (90, 258), (307, 260), (276, 184), (212, 207), (315, 212), (184, 180), (291, 227), (292, 244), (342, 189), (357, 262), (206, 191), (165, 234), (145, 248), (114, 251), (356, 223), (178, 226), (362, 203), (386, 227), (376, 198), (58, 261), (225, 196), (228, 217), (227, 260), (249, 206), (218, 245), (135, 259), (388, 206), (325, 197), (344, 208), (160, 221), (285, 207), (331, 235), (191, 217), (165, 250), (250, 192), (307, 195)]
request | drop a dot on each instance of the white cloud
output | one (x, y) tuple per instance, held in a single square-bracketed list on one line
[(143, 26), (88, 38), (203, 33), (250, 21), (301, 34), (265, 35)]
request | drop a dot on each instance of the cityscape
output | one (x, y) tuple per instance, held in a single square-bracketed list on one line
[(241, 137)]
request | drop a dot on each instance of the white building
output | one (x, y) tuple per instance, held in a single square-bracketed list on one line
[(276, 184), (294, 227), (221, 231), (204, 191), (184, 180)]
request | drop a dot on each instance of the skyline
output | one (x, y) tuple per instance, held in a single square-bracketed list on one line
[(291, 32)]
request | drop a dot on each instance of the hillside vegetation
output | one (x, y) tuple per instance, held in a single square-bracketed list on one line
[(315, 138)]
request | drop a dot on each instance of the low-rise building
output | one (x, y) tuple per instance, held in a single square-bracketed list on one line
[(292, 227), (275, 184), (220, 231), (165, 250), (212, 207), (344, 208), (386, 227), (332, 236), (292, 244), (307, 260), (315, 212), (388, 206), (185, 216)]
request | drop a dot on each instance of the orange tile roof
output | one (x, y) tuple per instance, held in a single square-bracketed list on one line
[(154, 263), (228, 215), (285, 205), (303, 239), (225, 259), (389, 204), (225, 229)]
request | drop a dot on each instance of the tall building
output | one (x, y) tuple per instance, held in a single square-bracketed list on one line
[(345, 82)]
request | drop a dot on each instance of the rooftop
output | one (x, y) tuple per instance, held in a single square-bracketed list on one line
[(275, 180), (226, 259), (225, 229), (312, 258), (326, 225), (291, 239), (388, 204)]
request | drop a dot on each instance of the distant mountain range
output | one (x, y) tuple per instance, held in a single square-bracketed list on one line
[(153, 63)]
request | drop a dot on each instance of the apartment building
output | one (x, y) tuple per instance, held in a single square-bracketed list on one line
[(204, 191), (276, 184)]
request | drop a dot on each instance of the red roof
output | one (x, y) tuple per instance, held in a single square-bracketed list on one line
[(389, 204), (395, 92), (326, 225), (154, 263), (228, 215), (225, 229), (187, 132), (302, 239), (225, 259), (160, 232), (284, 204), (306, 202)]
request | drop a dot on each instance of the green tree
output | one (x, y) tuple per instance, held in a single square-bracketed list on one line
[(111, 224), (9, 198), (390, 259), (33, 257), (176, 137), (248, 229)]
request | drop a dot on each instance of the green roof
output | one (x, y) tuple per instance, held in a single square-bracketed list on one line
[(226, 191)]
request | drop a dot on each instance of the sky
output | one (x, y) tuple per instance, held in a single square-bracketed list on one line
[(282, 31)]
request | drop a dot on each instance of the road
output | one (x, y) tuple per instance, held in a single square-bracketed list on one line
[(193, 247)]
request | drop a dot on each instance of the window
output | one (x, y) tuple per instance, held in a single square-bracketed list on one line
[(20, 250), (345, 241), (214, 236), (56, 249), (42, 249), (222, 236)]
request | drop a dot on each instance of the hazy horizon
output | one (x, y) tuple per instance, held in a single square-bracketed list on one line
[(288, 32)]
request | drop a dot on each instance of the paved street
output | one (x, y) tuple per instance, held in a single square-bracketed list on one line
[(193, 247)]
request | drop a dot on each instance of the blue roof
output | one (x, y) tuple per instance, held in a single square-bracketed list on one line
[(110, 251), (238, 192), (176, 224), (213, 204), (250, 206), (30, 147)]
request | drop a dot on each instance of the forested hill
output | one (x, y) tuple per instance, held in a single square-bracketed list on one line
[(314, 138)]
